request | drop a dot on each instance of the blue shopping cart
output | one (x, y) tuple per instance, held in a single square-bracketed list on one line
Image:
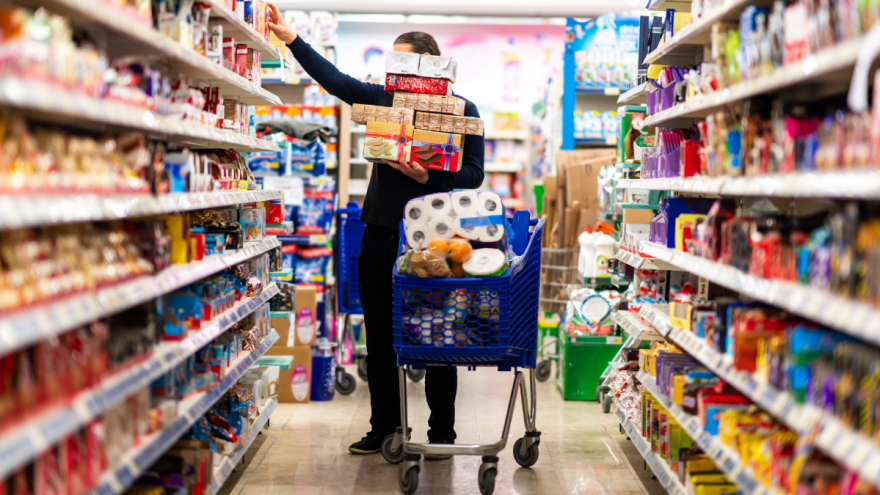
[(489, 321), (349, 232)]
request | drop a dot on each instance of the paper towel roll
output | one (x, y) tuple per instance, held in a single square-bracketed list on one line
[(464, 203), (417, 235), (485, 263), (415, 210), (438, 205), (490, 204), (491, 233)]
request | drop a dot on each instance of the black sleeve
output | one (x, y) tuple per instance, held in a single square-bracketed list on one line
[(343, 86), (471, 174)]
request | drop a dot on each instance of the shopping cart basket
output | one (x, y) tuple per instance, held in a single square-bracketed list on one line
[(350, 231), (488, 321)]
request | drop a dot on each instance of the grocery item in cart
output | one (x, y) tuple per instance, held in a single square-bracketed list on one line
[(486, 262)]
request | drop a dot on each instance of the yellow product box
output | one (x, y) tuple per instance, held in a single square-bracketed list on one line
[(685, 221), (677, 389), (388, 142), (680, 315), (438, 150)]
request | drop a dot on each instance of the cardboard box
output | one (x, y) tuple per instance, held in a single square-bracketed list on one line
[(448, 123), (438, 150), (402, 63), (438, 67), (451, 105), (635, 213), (416, 84), (283, 326), (577, 182), (295, 383), (305, 301), (388, 142), (374, 113)]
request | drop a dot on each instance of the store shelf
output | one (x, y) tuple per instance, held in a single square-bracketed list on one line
[(305, 240), (688, 43), (596, 141), (862, 320), (597, 91), (668, 479), (642, 262), (23, 443), (236, 28), (635, 327), (511, 135), (617, 281), (662, 5), (728, 461), (26, 327), (656, 315), (830, 65), (141, 458), (503, 167), (32, 211), (222, 472), (40, 99), (637, 95), (127, 37)]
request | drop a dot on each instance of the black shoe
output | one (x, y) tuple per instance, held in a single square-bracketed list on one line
[(439, 457), (370, 444)]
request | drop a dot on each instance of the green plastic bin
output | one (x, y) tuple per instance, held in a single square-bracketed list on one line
[(582, 362)]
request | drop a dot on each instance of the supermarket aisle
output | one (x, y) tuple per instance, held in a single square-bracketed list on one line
[(305, 451)]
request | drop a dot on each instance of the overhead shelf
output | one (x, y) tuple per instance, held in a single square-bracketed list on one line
[(140, 458), (25, 442), (242, 32), (28, 326), (642, 262), (665, 476), (33, 211), (662, 5), (862, 320), (829, 66), (126, 37), (637, 95), (843, 184), (224, 470), (687, 44)]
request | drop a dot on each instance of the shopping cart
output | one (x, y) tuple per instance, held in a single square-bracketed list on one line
[(350, 231), (488, 321)]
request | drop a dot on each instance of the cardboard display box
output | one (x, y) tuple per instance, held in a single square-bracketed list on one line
[(305, 300), (295, 383)]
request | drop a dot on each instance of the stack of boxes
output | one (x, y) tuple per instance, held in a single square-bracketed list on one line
[(297, 333), (425, 125)]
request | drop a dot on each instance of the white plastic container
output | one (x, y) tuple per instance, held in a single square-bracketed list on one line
[(604, 252), (587, 256)]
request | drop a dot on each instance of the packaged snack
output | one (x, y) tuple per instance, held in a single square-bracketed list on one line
[(388, 141), (404, 263), (430, 263), (437, 150), (311, 264), (402, 63), (429, 102), (253, 221), (373, 113), (416, 84), (449, 123), (438, 67)]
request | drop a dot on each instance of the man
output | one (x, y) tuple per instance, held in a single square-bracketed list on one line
[(392, 184)]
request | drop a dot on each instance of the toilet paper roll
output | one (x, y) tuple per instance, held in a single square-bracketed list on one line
[(490, 204), (415, 210), (486, 263), (464, 203), (438, 205), (441, 228), (470, 232), (491, 233), (417, 235)]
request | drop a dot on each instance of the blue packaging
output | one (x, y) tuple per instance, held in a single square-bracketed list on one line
[(311, 265), (323, 386), (315, 215)]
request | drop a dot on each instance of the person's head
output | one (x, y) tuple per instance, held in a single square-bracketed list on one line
[(416, 42)]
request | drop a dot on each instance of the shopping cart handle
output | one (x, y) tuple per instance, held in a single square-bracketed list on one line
[(520, 224)]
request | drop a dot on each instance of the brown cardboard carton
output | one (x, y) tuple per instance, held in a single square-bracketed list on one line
[(283, 325), (637, 215), (305, 302), (295, 383)]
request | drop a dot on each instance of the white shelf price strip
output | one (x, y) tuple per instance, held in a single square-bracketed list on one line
[(862, 321), (140, 458), (661, 470), (29, 326), (640, 262), (35, 210), (26, 441), (724, 458), (634, 326), (222, 472)]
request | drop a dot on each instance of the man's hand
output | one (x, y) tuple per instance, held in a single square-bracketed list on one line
[(415, 172), (279, 26)]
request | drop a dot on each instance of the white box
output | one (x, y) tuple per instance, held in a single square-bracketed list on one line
[(402, 63), (438, 67)]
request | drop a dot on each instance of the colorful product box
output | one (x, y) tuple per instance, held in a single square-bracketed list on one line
[(253, 221), (429, 103), (374, 113), (438, 67), (388, 142), (275, 212), (416, 84), (449, 123), (402, 63), (437, 150)]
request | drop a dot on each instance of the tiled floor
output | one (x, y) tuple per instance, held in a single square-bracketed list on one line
[(305, 449)]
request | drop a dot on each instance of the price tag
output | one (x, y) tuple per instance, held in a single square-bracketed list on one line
[(841, 447), (858, 455)]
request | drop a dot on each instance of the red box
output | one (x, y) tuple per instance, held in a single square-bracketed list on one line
[(275, 212), (241, 52), (416, 84), (229, 51)]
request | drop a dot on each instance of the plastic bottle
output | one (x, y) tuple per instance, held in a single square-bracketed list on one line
[(587, 257), (604, 252)]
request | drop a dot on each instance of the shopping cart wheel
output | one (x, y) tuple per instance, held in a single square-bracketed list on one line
[(391, 455), (409, 477), (601, 390), (488, 470), (362, 368), (543, 370), (531, 456), (345, 383), (415, 375), (606, 404)]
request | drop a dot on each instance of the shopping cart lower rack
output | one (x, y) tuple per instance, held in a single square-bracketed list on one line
[(488, 321)]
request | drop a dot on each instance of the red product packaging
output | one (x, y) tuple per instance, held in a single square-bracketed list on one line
[(690, 158), (198, 245), (241, 58), (416, 84), (228, 52), (275, 212), (253, 65)]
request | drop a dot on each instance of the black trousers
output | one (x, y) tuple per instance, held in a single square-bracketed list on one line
[(375, 262)]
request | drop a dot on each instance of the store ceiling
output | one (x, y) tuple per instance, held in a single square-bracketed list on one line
[(510, 8)]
